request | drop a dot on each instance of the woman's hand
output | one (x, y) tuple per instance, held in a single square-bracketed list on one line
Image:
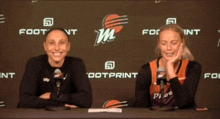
[(177, 57), (170, 66), (45, 95), (71, 106)]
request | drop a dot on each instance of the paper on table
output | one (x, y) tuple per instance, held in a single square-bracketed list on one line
[(96, 110)]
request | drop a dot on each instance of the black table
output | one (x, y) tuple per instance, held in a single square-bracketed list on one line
[(126, 113)]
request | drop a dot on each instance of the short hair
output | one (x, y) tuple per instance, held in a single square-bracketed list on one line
[(177, 28), (53, 29)]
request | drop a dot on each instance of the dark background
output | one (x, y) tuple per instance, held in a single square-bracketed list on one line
[(130, 50)]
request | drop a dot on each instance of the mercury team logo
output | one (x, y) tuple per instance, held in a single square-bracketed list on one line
[(114, 104), (112, 25)]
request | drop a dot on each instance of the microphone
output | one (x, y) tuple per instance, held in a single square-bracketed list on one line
[(161, 77), (58, 77), (162, 81)]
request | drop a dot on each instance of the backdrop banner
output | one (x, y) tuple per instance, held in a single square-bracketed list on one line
[(114, 39)]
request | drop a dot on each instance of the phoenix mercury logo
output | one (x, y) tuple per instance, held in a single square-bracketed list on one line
[(112, 24)]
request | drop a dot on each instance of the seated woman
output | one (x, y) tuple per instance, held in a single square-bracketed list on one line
[(38, 87), (182, 73)]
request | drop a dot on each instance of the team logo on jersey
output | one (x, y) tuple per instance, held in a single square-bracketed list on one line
[(112, 25)]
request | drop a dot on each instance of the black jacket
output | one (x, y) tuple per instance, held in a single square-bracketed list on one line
[(38, 79)]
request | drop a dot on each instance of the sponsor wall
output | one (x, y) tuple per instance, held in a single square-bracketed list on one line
[(114, 38)]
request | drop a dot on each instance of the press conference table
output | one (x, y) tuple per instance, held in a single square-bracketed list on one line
[(126, 113)]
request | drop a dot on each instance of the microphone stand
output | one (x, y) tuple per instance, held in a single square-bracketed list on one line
[(58, 83), (162, 92), (58, 80)]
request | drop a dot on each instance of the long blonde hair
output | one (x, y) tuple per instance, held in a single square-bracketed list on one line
[(175, 27)]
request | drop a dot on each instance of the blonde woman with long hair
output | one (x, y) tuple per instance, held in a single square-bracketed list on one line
[(182, 73)]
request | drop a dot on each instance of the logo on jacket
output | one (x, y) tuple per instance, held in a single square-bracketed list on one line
[(112, 24), (46, 79)]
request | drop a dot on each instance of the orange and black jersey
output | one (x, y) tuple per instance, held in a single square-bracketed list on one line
[(182, 91)]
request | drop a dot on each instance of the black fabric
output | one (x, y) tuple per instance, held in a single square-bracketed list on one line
[(184, 94), (75, 89)]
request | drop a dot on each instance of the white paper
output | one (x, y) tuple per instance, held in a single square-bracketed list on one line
[(97, 110)]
